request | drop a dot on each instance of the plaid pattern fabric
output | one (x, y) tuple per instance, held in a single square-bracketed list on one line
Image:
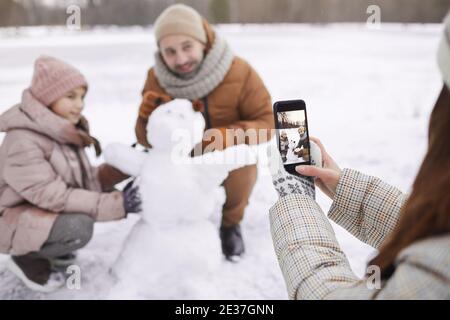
[(309, 255), (314, 266), (366, 207)]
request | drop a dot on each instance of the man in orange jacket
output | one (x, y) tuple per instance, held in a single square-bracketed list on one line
[(193, 62)]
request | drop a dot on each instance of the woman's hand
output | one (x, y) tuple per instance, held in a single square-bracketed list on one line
[(327, 177)]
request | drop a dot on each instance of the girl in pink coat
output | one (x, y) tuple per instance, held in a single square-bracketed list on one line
[(50, 195)]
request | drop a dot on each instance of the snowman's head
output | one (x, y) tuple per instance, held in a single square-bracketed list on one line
[(173, 123)]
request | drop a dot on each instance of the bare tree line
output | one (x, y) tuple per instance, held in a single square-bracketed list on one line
[(144, 12)]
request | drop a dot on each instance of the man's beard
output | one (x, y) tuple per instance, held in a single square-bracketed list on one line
[(189, 74)]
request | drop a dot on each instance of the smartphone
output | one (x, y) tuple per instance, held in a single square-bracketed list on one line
[(292, 134)]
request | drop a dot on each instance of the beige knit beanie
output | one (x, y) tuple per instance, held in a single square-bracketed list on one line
[(53, 78), (180, 19), (443, 55)]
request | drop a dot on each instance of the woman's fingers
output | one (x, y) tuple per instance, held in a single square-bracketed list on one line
[(325, 157), (328, 161), (319, 143)]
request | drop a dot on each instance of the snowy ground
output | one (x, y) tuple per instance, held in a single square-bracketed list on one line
[(368, 94)]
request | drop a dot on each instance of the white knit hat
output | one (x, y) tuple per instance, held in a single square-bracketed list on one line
[(443, 55), (180, 19)]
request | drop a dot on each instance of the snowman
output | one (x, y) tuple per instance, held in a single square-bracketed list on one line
[(173, 251), (291, 157)]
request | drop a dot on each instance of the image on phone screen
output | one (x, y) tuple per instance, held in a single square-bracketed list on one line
[(293, 137)]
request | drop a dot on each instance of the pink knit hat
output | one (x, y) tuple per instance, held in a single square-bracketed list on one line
[(53, 78)]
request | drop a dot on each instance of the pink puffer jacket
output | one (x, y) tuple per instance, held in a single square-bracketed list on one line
[(44, 172)]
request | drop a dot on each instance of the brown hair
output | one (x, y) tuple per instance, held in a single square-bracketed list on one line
[(427, 211)]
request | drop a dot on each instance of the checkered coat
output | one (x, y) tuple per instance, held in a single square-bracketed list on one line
[(314, 266)]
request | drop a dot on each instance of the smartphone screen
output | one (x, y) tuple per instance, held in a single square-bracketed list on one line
[(293, 137)]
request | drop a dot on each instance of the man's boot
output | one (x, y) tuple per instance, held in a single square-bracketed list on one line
[(232, 242)]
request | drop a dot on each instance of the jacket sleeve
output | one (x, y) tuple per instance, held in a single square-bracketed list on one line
[(28, 172), (141, 131), (152, 97), (255, 111), (255, 107), (314, 266), (366, 206), (145, 109), (311, 261)]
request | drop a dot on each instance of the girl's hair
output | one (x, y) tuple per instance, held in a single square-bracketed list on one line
[(426, 213)]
